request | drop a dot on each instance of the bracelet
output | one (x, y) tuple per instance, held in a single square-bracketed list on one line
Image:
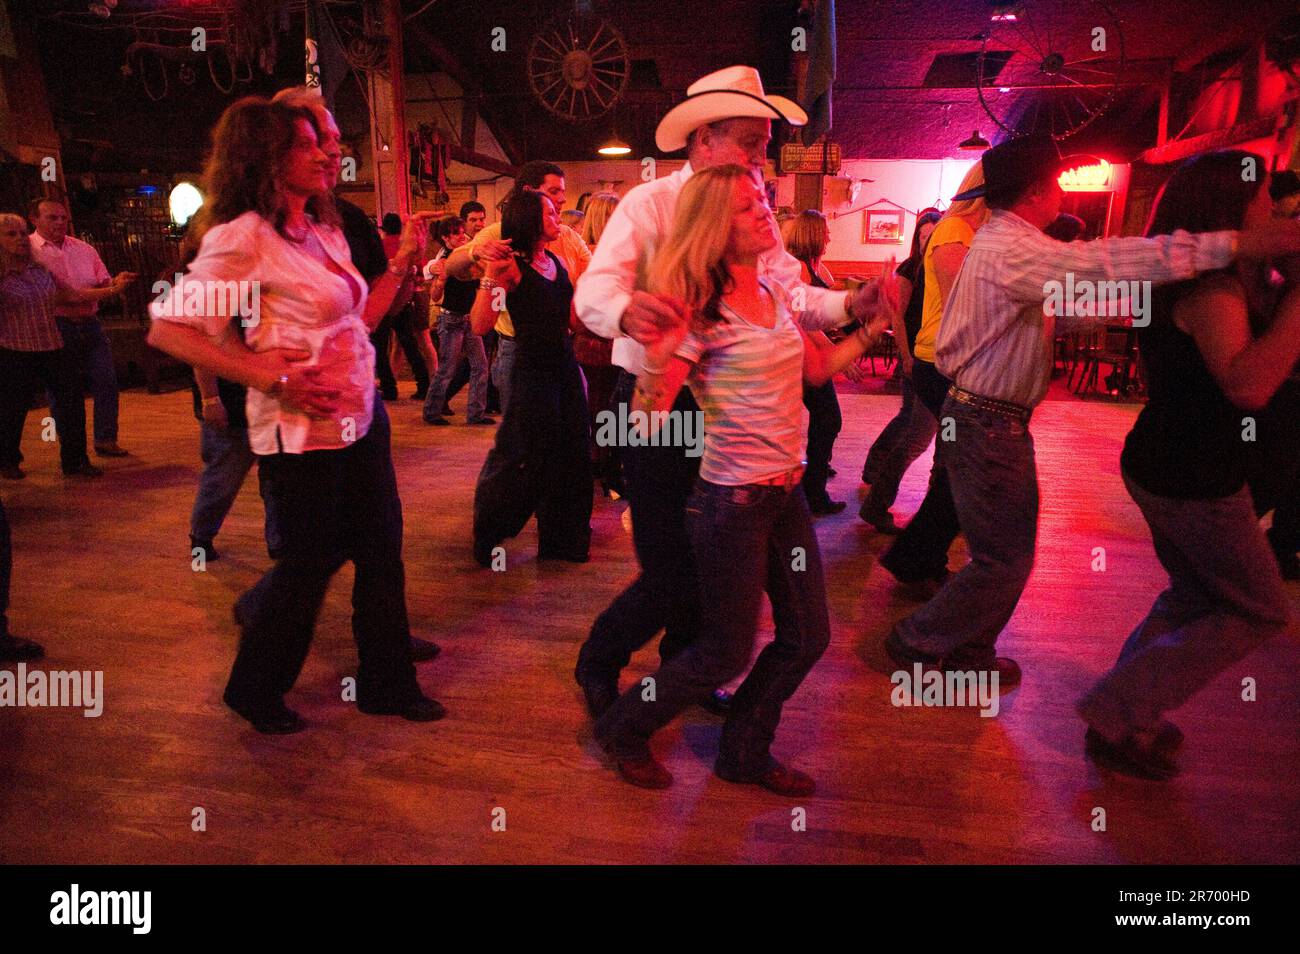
[(395, 271), (485, 283), (211, 400)]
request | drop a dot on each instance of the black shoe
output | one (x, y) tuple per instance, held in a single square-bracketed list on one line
[(904, 655), (825, 507), (210, 554), (16, 649), (598, 693), (438, 421), (483, 422), (1129, 757), (420, 395), (446, 410), (483, 552), (417, 708), (881, 520), (908, 575), (1169, 738), (389, 395), (277, 719), (422, 650), (86, 469), (111, 449), (720, 702)]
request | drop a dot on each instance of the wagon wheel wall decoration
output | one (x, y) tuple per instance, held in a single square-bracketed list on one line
[(1069, 68), (578, 67)]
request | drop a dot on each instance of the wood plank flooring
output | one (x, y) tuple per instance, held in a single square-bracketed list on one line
[(103, 578)]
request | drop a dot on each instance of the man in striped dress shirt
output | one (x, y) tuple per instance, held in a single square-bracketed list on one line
[(995, 344)]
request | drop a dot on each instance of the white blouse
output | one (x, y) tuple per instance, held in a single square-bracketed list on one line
[(300, 303)]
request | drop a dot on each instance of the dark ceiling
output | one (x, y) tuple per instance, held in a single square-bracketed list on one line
[(886, 102)]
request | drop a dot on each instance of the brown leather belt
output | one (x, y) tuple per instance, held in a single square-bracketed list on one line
[(1005, 408), (786, 480)]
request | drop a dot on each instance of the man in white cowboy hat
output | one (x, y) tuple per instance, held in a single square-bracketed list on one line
[(725, 118)]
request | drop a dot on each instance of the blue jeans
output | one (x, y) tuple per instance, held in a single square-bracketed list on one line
[(227, 459), (664, 595), (89, 349), (824, 423), (903, 440), (1225, 598), (331, 506), (994, 481), (504, 369), (454, 339), (747, 540)]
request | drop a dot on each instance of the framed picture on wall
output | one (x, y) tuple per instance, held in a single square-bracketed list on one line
[(883, 226)]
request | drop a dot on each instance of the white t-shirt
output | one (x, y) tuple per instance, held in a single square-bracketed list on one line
[(301, 304), (748, 381)]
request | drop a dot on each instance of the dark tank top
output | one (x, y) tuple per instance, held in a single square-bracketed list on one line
[(540, 311), (1187, 443)]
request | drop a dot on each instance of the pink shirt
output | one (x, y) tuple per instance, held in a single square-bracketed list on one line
[(78, 265), (300, 303)]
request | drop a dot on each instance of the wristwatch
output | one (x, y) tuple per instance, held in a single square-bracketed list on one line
[(277, 386)]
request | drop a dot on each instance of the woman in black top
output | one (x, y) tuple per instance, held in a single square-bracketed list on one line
[(539, 464), (907, 436), (1210, 371)]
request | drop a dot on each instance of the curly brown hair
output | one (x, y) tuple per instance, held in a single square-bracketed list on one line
[(242, 174)]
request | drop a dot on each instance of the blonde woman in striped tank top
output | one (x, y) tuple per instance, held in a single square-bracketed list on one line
[(746, 358)]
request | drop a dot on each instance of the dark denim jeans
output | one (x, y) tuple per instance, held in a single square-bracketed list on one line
[(903, 440), (995, 490), (90, 351), (664, 595), (331, 506), (227, 459), (747, 540), (455, 338), (824, 423), (6, 570), (503, 369), (21, 372), (1225, 598), (922, 548)]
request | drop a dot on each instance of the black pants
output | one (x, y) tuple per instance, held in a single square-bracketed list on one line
[(539, 463), (922, 548), (403, 324), (21, 373), (665, 594), (6, 570), (331, 506), (824, 423)]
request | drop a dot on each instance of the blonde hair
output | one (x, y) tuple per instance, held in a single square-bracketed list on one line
[(691, 264), (9, 263), (974, 211), (804, 236), (599, 208)]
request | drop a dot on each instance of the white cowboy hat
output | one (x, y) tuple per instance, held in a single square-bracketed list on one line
[(726, 94)]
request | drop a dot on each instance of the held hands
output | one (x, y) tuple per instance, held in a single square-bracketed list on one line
[(492, 250), (1274, 238), (877, 298), (671, 328), (119, 281), (647, 318)]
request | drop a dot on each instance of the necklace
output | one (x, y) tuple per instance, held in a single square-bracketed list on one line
[(297, 237)]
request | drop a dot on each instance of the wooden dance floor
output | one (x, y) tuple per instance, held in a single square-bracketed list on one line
[(103, 578)]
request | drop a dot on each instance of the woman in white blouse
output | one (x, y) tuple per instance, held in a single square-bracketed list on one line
[(272, 301)]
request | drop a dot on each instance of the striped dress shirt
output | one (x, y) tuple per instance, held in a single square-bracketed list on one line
[(996, 336), (27, 311)]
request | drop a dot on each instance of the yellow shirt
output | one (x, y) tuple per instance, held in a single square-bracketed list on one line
[(569, 248), (947, 232)]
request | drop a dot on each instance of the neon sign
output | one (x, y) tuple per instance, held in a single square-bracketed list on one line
[(1093, 177)]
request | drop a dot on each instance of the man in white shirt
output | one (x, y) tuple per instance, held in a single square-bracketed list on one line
[(726, 118), (78, 265), (995, 345)]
